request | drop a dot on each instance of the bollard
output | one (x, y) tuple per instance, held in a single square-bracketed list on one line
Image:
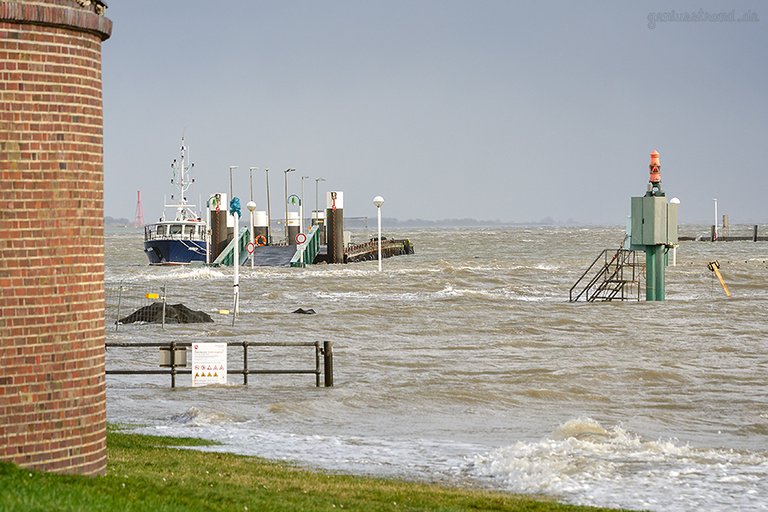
[(328, 363)]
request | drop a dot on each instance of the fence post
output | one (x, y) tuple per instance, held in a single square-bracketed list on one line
[(162, 288), (119, 299), (173, 364), (328, 360), (245, 363), (317, 364)]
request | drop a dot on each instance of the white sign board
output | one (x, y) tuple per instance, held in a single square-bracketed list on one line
[(209, 364)]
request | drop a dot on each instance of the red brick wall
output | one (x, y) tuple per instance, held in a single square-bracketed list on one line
[(52, 383)]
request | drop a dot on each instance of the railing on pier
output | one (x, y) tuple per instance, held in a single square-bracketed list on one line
[(725, 233), (369, 250), (323, 350), (227, 256), (612, 279), (306, 252)]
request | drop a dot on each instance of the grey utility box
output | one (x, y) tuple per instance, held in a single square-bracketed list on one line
[(179, 356), (654, 221)]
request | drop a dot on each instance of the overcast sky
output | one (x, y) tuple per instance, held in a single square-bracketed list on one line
[(496, 110)]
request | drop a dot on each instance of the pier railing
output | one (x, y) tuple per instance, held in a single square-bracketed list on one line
[(306, 252), (227, 256), (725, 233), (175, 365)]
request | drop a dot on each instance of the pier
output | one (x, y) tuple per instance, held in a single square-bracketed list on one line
[(726, 233)]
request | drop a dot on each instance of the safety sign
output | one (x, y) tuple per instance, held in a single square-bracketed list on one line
[(209, 364)]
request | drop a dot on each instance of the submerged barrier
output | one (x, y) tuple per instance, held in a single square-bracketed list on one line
[(173, 357)]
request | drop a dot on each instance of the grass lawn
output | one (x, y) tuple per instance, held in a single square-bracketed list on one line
[(149, 474)]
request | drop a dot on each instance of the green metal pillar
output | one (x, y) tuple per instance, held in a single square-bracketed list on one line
[(654, 273), (661, 271), (650, 272)]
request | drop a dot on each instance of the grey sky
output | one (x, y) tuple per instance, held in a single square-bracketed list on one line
[(496, 110)]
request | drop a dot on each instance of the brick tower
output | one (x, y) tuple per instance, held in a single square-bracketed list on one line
[(52, 384)]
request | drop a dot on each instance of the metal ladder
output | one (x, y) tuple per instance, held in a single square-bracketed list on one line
[(616, 278)]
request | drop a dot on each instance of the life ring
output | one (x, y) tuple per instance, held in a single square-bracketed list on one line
[(261, 240)]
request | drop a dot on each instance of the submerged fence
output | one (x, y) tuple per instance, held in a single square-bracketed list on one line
[(173, 357), (129, 306), (132, 303), (140, 305)]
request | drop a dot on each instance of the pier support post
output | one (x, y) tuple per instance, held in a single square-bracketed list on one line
[(328, 363), (335, 218), (294, 227), (217, 205), (261, 227)]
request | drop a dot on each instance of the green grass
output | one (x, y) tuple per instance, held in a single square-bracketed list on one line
[(148, 474)]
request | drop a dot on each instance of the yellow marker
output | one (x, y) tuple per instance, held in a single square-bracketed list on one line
[(152, 295), (223, 311), (714, 266)]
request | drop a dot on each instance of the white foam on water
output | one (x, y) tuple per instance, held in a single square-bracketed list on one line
[(583, 462), (186, 273), (408, 458)]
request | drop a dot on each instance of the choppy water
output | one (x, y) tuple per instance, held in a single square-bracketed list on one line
[(466, 363)]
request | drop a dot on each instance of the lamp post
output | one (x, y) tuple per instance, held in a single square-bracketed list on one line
[(251, 208), (317, 206), (250, 173), (286, 202), (378, 201), (269, 211), (231, 168), (301, 205)]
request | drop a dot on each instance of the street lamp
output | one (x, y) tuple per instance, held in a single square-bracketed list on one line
[(317, 207), (378, 201), (301, 205), (286, 202), (231, 168), (269, 211), (251, 208), (250, 172)]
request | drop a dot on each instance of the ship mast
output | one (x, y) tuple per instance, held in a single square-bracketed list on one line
[(182, 180)]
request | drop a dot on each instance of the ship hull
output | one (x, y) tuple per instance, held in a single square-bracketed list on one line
[(174, 252)]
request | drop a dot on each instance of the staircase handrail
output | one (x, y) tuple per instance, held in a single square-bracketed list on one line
[(591, 282), (620, 258), (306, 252), (227, 256), (610, 279)]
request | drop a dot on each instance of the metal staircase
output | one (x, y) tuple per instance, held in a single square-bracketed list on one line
[(614, 275), (227, 256), (306, 252)]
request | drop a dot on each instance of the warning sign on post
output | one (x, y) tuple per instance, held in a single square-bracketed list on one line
[(209, 364)]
